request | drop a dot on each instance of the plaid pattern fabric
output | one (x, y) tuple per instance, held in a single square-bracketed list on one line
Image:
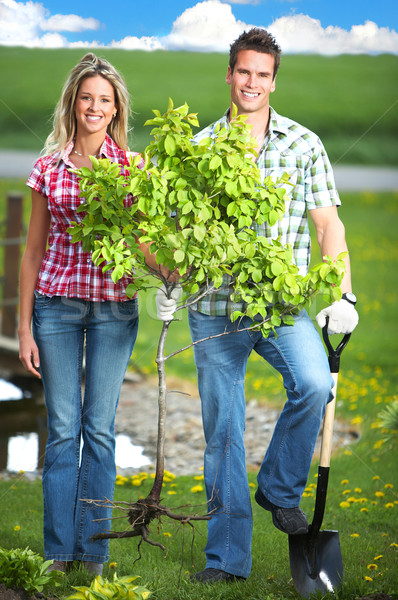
[(293, 149), (66, 270)]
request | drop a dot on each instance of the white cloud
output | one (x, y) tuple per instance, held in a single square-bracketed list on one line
[(23, 23), (209, 26), (69, 23), (301, 33), (135, 43)]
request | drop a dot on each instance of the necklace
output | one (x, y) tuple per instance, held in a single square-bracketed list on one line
[(80, 154)]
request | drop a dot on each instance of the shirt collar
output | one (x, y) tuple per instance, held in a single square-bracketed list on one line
[(276, 123), (107, 150)]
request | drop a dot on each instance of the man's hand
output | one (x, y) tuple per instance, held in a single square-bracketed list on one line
[(343, 317), (166, 306)]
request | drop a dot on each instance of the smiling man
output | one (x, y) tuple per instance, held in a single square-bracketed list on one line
[(296, 351)]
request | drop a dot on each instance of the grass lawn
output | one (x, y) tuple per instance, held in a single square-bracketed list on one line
[(362, 497), (349, 101)]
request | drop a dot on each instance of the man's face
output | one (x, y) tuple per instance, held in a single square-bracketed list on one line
[(252, 82)]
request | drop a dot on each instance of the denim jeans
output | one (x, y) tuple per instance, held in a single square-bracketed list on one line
[(298, 354), (80, 453)]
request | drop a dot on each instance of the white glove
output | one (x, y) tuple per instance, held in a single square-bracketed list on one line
[(166, 306), (343, 317)]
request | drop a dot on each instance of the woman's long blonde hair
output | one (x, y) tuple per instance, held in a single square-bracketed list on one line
[(64, 127)]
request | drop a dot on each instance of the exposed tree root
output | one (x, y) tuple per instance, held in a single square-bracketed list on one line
[(140, 515)]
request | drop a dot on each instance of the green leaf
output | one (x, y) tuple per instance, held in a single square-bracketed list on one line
[(215, 162), (170, 145), (117, 273), (179, 256)]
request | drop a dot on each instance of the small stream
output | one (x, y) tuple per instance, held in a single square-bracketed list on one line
[(23, 429)]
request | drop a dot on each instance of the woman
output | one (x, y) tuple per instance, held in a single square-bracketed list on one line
[(76, 310)]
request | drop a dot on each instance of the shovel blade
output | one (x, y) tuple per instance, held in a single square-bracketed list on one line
[(316, 562)]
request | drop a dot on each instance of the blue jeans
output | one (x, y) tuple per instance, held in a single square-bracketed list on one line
[(80, 454), (298, 354)]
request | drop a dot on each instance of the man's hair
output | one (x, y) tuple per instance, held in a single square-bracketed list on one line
[(256, 39)]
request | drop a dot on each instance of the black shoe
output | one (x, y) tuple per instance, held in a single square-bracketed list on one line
[(289, 520), (214, 576)]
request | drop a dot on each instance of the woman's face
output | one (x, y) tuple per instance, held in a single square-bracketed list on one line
[(95, 105)]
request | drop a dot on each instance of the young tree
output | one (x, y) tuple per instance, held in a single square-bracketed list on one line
[(194, 205)]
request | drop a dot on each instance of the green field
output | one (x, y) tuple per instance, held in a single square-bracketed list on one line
[(362, 497), (351, 102)]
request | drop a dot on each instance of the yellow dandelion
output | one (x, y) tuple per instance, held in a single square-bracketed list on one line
[(378, 557), (388, 486), (364, 510), (136, 482), (394, 545), (196, 489), (367, 578), (389, 505), (352, 500), (252, 485), (379, 494), (376, 478), (344, 481), (170, 475), (354, 535), (17, 528), (171, 492), (348, 452), (344, 504), (308, 495), (358, 490), (378, 445), (199, 477), (345, 492), (372, 567), (113, 565), (356, 420), (167, 534)]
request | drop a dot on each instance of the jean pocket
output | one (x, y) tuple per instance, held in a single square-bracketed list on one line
[(41, 301)]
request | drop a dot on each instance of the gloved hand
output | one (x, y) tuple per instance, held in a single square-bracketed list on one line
[(166, 306), (343, 317)]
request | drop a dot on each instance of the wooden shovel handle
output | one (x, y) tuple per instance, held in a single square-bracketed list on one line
[(327, 432), (334, 363)]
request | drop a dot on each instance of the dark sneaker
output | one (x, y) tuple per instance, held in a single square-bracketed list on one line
[(214, 575), (289, 520)]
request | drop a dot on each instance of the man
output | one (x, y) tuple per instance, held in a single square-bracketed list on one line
[(296, 352)]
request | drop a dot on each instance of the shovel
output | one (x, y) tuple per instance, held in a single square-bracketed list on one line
[(316, 563)]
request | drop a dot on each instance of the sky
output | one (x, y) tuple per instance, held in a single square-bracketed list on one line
[(326, 27)]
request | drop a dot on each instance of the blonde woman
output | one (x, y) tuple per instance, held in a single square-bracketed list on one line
[(69, 309)]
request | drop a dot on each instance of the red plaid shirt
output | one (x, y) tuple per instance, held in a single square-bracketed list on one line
[(66, 270)]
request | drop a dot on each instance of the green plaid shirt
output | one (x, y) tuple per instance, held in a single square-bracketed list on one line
[(293, 149)]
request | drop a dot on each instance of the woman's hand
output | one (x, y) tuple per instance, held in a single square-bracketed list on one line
[(29, 354)]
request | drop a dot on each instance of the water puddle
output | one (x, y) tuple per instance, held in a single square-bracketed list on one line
[(23, 431)]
